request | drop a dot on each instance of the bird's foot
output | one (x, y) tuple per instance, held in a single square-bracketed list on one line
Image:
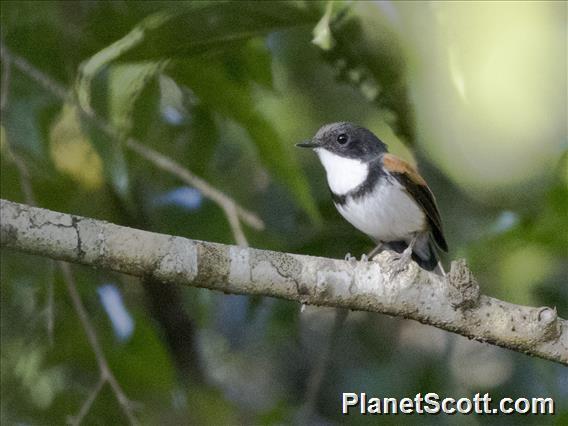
[(401, 262), (350, 258), (364, 258)]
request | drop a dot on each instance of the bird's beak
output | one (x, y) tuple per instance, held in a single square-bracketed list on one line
[(307, 144)]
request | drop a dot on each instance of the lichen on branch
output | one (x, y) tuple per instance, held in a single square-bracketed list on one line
[(453, 303)]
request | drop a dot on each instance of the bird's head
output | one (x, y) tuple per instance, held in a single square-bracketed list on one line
[(346, 140)]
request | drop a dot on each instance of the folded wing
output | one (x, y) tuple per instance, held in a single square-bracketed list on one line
[(416, 186)]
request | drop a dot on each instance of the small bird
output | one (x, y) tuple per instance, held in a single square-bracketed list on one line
[(380, 194)]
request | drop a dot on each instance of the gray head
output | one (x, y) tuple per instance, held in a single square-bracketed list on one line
[(347, 140)]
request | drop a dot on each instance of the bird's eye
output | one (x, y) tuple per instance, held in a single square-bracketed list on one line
[(342, 139)]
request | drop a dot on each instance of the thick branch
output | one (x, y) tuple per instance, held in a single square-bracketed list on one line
[(232, 209), (453, 304)]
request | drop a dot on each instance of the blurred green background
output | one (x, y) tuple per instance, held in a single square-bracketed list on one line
[(475, 93)]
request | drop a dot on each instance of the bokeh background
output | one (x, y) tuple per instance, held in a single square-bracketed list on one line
[(475, 93)]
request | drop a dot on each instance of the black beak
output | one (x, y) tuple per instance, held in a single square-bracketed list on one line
[(307, 144)]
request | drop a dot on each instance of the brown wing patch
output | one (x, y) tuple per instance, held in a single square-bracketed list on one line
[(394, 164)]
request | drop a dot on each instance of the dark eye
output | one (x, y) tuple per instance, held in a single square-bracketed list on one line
[(342, 139)]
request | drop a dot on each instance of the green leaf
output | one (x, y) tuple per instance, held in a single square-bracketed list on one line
[(250, 62), (109, 147), (322, 31), (209, 80), (196, 27), (113, 98), (125, 84), (192, 28)]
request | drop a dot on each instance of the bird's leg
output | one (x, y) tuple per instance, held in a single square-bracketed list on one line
[(404, 257), (374, 252)]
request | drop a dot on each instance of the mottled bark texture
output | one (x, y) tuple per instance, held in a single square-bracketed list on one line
[(453, 303)]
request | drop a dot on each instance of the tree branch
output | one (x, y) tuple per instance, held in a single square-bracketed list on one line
[(233, 211), (172, 318), (453, 303), (106, 374)]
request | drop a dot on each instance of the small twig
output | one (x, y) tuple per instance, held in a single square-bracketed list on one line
[(76, 420), (106, 373), (235, 223), (231, 208), (25, 178), (27, 68), (170, 166)]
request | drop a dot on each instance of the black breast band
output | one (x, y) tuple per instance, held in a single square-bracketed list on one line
[(376, 172)]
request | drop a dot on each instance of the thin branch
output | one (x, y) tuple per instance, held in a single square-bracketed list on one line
[(231, 208), (235, 225), (451, 303), (233, 211), (28, 69), (25, 178), (105, 372), (76, 420)]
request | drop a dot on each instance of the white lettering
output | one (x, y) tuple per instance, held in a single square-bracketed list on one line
[(389, 406), (522, 406), (406, 406), (445, 408), (374, 406), (432, 403), (542, 406), (349, 400), (503, 405), (464, 405)]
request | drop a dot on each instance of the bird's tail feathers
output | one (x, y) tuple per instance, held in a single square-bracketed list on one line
[(424, 254)]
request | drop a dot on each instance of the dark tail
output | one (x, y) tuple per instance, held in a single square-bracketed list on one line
[(423, 254)]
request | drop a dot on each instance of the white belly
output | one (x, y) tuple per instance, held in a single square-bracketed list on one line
[(386, 214)]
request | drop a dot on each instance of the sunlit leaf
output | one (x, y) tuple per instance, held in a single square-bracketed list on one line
[(72, 152), (322, 31)]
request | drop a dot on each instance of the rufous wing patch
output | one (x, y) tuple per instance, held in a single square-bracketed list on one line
[(394, 164)]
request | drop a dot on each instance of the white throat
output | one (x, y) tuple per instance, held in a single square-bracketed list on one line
[(343, 174)]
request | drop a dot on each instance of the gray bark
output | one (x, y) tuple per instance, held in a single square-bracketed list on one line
[(453, 303)]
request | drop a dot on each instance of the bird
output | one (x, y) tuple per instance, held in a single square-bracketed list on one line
[(380, 194)]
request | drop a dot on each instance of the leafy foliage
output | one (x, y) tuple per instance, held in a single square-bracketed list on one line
[(226, 89)]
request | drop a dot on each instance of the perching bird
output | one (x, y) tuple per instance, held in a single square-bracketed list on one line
[(380, 194)]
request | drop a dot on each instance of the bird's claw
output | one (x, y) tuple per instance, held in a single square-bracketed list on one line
[(364, 258), (401, 261)]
